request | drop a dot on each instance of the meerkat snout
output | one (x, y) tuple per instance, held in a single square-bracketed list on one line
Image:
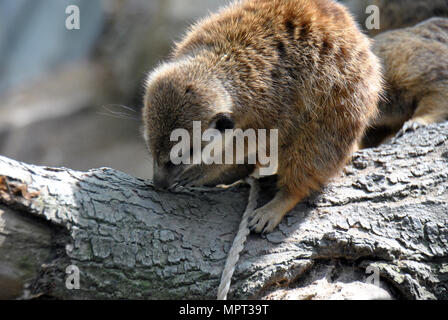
[(160, 180), (165, 174)]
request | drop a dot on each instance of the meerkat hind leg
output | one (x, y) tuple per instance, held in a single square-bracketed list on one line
[(266, 218), (408, 126), (431, 109)]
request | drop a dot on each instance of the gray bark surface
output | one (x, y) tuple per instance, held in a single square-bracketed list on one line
[(388, 211)]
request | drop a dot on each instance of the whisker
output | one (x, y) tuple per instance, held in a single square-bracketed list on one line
[(120, 106), (120, 114)]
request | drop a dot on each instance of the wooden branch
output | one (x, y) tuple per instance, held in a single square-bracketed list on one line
[(387, 212)]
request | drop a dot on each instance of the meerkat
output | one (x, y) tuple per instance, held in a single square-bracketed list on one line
[(301, 67), (415, 63), (396, 14)]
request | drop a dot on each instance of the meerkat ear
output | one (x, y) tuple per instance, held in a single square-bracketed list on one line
[(223, 121)]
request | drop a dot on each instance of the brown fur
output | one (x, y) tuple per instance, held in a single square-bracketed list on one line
[(395, 14), (299, 66), (416, 70)]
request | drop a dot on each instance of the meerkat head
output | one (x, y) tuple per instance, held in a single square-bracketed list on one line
[(177, 95)]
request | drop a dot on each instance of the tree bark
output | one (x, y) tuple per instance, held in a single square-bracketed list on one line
[(387, 212)]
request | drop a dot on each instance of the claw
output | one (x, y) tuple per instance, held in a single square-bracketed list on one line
[(264, 220), (408, 126)]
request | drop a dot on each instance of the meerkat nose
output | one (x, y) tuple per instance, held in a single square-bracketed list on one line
[(161, 182)]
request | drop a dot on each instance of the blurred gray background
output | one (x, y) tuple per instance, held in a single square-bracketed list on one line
[(72, 98), (60, 89)]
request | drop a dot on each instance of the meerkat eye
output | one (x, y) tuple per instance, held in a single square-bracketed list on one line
[(223, 122)]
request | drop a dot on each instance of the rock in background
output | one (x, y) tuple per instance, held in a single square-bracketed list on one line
[(395, 14)]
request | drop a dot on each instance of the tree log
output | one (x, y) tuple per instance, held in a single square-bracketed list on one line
[(388, 212)]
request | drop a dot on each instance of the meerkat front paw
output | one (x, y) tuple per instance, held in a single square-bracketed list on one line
[(268, 217), (265, 220)]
